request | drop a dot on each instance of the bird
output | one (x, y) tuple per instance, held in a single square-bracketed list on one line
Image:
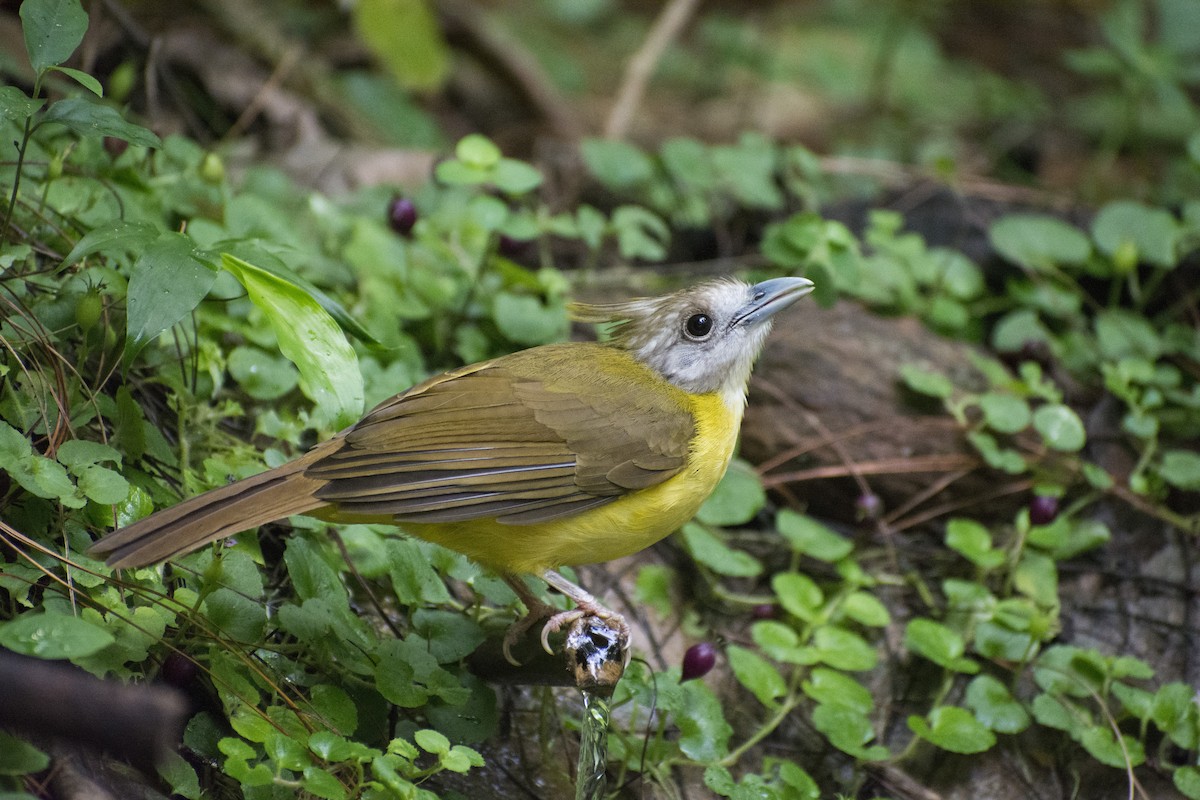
[(558, 455)]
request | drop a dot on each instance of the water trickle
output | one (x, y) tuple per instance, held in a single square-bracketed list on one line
[(597, 652)]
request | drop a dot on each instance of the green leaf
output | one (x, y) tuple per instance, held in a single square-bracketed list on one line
[(1181, 469), (1038, 242), (866, 609), (737, 499), (83, 79), (798, 594), (926, 382), (1004, 413), (829, 686), (994, 706), (310, 339), (1187, 779), (260, 375), (756, 674), (939, 644), (405, 37), (526, 320), (82, 453), (954, 729), (95, 120), (478, 151), (1099, 741), (167, 283), (17, 106), (53, 29), (335, 707), (811, 538), (640, 233), (1060, 427), (617, 165), (1176, 714), (1151, 232), (50, 635), (973, 541), (1001, 458), (843, 649), (848, 730), (179, 775), (116, 236), (515, 177), (703, 732), (322, 783), (103, 485), (709, 550), (432, 741), (18, 757), (237, 616)]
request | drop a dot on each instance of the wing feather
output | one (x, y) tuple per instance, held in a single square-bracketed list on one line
[(518, 439)]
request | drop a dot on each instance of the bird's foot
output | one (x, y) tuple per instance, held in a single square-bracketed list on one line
[(585, 606)]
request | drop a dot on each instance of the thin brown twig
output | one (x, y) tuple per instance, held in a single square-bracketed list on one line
[(640, 69)]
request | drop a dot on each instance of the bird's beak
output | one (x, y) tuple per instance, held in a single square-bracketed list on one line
[(770, 297)]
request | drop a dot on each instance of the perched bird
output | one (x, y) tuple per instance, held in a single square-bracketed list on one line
[(563, 454)]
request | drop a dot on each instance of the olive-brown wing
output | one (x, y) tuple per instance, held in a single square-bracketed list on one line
[(516, 439)]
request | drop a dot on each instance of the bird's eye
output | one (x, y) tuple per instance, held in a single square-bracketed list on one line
[(698, 326)]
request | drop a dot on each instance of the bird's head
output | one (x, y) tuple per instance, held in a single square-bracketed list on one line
[(704, 338)]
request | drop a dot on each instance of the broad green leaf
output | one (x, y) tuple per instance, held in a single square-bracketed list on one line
[(756, 674), (309, 337), (103, 485), (168, 282), (708, 549), (18, 757), (515, 177), (798, 594), (926, 382), (703, 732), (811, 538), (1099, 741), (939, 644), (1181, 469), (179, 775), (843, 649), (51, 635), (953, 729), (994, 706), (321, 783), (849, 730), (1187, 779), (640, 233), (83, 79), (405, 37), (117, 236), (53, 29), (1038, 242), (15, 105), (432, 741), (95, 120), (865, 609), (1176, 714), (1150, 232), (526, 320), (973, 541), (335, 707), (617, 165), (1004, 413), (476, 150), (828, 686), (81, 453), (736, 500), (260, 375), (1060, 427)]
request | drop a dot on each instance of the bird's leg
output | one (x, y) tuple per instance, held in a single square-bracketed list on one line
[(536, 610), (585, 606)]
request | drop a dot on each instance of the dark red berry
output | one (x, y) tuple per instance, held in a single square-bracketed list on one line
[(764, 611), (1043, 509), (402, 215), (868, 506), (114, 146), (698, 661), (179, 671), (510, 247)]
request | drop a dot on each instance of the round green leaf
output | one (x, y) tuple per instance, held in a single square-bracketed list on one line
[(1060, 427), (1181, 469), (1004, 413), (51, 635), (1152, 232), (261, 376), (954, 729), (756, 674), (18, 757), (811, 538), (1038, 242), (926, 382), (798, 594), (53, 29), (995, 707), (736, 500)]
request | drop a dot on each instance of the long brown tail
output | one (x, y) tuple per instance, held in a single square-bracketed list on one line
[(221, 512)]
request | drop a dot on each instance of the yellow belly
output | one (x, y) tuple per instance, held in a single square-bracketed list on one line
[(617, 529)]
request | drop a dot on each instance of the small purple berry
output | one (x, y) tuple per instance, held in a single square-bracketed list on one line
[(178, 671), (764, 611), (1043, 509), (402, 215), (868, 506), (698, 661)]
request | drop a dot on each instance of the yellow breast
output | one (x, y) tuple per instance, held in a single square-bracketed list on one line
[(617, 529)]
